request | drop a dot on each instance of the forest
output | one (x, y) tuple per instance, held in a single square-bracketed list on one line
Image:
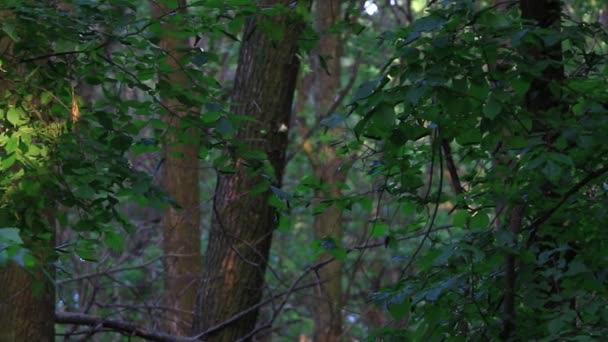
[(303, 170)]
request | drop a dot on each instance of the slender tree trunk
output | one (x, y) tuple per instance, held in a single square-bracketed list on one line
[(243, 222), (540, 99), (180, 180), (329, 168)]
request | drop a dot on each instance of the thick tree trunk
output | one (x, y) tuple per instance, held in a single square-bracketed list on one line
[(329, 168), (243, 222), (27, 304), (25, 315), (180, 180)]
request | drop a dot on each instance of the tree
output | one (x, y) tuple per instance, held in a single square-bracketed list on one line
[(329, 168), (180, 179), (542, 102), (58, 168), (244, 220), (27, 299)]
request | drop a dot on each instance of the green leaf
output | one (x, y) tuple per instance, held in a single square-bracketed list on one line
[(480, 220), (552, 171), (140, 148), (379, 229), (461, 218), (115, 241), (576, 267), (211, 117), (469, 137), (408, 208), (225, 127), (8, 161), (382, 121), (333, 120), (16, 116), (492, 107), (10, 31), (261, 187), (365, 90), (86, 252), (520, 86), (428, 23), (10, 235), (399, 309), (45, 98), (276, 202), (84, 191)]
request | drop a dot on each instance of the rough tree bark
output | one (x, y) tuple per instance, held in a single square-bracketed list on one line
[(243, 222), (329, 168), (180, 180), (27, 314)]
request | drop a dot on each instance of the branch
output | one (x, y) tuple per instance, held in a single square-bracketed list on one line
[(399, 238), (132, 329), (533, 227), (105, 43), (447, 150), (124, 327), (106, 272)]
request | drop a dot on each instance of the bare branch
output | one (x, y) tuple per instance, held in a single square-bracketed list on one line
[(116, 325), (106, 272)]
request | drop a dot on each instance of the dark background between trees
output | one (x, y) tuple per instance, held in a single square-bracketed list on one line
[(327, 170)]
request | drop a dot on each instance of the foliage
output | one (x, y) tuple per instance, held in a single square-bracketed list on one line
[(463, 75)]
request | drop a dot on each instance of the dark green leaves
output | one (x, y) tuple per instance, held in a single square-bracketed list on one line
[(378, 123)]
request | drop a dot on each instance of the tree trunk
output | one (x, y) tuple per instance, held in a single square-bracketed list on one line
[(25, 315), (180, 180), (27, 296), (328, 167), (540, 100), (27, 304), (243, 222)]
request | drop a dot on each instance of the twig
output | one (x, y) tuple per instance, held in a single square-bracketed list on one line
[(427, 233), (106, 272)]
